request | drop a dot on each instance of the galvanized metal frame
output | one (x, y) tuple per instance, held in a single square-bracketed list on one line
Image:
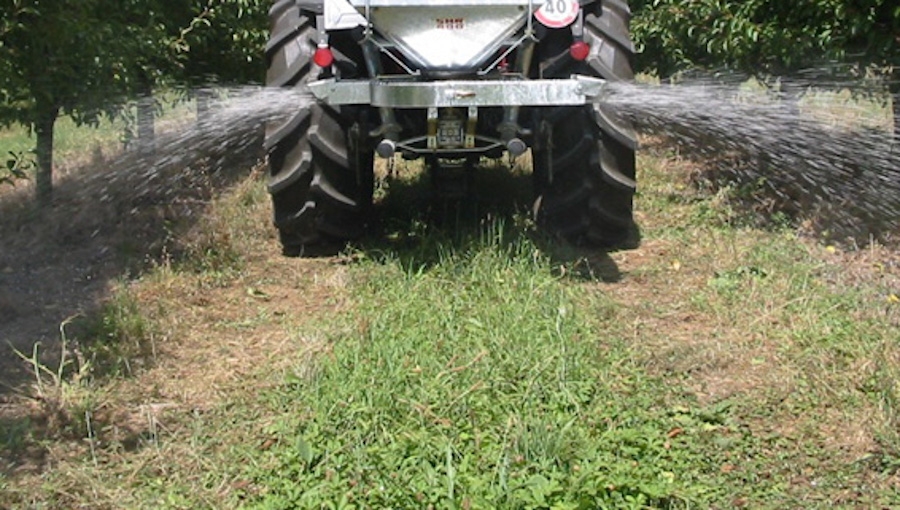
[(407, 93), (511, 92)]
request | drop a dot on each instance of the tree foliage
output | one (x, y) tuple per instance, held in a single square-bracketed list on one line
[(223, 41), (59, 57), (766, 38), (80, 57), (761, 37)]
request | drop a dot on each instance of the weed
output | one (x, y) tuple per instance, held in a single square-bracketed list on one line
[(16, 168), (62, 394)]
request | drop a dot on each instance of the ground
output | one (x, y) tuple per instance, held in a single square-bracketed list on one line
[(191, 316)]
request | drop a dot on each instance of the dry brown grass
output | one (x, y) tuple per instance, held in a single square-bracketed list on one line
[(744, 346)]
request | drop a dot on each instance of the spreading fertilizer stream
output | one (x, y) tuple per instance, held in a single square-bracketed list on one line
[(840, 163), (849, 171)]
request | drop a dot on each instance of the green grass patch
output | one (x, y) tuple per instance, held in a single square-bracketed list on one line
[(473, 382), (71, 141), (118, 337)]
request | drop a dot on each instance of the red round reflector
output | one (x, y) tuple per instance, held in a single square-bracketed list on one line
[(323, 57), (579, 50)]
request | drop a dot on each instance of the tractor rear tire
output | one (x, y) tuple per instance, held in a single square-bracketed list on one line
[(584, 158), (320, 159)]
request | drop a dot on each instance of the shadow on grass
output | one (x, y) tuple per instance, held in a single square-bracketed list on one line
[(110, 219), (419, 228), (19, 452)]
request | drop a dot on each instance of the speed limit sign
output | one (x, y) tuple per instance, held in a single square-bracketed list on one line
[(557, 13)]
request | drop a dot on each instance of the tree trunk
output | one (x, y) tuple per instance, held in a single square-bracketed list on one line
[(146, 120), (43, 128)]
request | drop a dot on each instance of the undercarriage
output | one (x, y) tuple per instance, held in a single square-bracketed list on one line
[(450, 82)]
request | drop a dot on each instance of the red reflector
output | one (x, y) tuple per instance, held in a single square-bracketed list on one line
[(579, 50), (323, 57)]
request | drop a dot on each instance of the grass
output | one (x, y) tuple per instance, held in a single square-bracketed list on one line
[(70, 140), (474, 382), (476, 378), (76, 145), (721, 364)]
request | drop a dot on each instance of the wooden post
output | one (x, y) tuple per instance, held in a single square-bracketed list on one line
[(146, 120)]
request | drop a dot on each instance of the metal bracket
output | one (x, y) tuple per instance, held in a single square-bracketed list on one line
[(471, 124), (431, 137), (578, 26), (321, 34)]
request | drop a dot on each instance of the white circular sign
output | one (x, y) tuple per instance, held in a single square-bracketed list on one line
[(557, 13)]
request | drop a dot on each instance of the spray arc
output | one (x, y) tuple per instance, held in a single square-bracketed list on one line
[(449, 82)]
